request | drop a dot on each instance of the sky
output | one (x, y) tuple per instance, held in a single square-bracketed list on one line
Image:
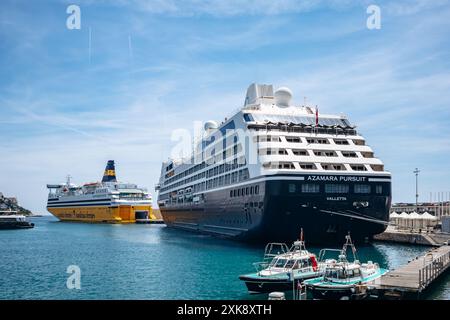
[(137, 71)]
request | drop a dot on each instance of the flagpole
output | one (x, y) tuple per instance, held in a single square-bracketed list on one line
[(317, 119)]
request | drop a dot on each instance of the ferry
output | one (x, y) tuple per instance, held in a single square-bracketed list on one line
[(108, 201), (344, 279), (272, 167), (14, 221), (284, 270)]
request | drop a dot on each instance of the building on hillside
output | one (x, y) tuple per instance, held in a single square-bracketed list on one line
[(13, 201)]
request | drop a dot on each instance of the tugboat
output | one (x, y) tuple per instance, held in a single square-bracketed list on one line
[(343, 279), (283, 270), (14, 222)]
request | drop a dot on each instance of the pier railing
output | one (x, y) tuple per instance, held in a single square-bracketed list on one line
[(433, 269)]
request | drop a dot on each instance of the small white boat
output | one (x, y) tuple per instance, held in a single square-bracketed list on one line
[(279, 270), (14, 222), (343, 278)]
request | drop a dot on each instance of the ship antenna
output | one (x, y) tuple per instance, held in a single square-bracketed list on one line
[(302, 241), (349, 242)]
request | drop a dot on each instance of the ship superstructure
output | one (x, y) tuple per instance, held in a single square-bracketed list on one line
[(108, 201), (273, 168)]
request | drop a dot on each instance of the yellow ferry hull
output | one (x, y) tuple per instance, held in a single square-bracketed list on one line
[(101, 214)]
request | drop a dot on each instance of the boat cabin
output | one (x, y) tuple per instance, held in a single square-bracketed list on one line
[(303, 261), (343, 272), (12, 218)]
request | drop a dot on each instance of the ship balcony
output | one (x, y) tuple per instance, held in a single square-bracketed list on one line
[(316, 146), (319, 159), (307, 129)]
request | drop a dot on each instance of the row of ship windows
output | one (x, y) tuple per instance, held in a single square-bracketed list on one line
[(312, 188), (185, 173), (213, 159), (225, 167), (269, 138), (293, 139), (227, 179), (334, 188), (295, 129), (318, 153), (244, 191), (324, 166)]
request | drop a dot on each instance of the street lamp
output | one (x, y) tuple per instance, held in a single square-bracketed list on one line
[(417, 188)]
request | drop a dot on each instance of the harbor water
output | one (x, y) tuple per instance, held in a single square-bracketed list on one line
[(145, 262)]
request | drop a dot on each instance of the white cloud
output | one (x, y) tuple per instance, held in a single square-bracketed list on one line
[(223, 7), (409, 7), (228, 8)]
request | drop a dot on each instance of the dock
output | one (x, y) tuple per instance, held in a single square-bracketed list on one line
[(410, 280)]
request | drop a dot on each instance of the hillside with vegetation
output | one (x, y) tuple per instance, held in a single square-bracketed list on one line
[(11, 204)]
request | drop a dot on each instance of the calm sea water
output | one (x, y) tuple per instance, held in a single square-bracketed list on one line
[(143, 262)]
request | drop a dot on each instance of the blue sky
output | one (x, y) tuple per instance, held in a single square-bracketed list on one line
[(157, 66)]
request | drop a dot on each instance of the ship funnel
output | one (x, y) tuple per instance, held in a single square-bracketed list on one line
[(110, 172), (258, 92)]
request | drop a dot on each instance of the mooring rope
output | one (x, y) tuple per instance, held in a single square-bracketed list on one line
[(353, 216)]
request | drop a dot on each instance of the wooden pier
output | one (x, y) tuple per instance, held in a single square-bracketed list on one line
[(410, 280)]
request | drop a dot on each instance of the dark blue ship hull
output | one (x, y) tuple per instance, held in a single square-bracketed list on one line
[(267, 284), (329, 293), (16, 225), (281, 207)]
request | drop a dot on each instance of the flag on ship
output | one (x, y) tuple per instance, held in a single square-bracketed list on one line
[(317, 116)]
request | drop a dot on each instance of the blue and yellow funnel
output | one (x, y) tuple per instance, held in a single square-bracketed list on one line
[(110, 172)]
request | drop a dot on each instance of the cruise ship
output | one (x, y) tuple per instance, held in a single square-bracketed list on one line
[(273, 168), (108, 201)]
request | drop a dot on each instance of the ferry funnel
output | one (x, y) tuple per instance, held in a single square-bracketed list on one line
[(110, 172)]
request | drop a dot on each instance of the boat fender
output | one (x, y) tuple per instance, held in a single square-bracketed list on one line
[(314, 263)]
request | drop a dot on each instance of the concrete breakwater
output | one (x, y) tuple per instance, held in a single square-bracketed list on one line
[(421, 238)]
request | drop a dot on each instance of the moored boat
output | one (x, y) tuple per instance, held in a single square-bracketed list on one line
[(343, 279), (15, 222), (283, 270)]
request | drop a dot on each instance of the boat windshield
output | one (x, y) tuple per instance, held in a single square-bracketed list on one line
[(335, 274), (280, 263), (354, 273), (331, 273), (304, 263), (290, 264)]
